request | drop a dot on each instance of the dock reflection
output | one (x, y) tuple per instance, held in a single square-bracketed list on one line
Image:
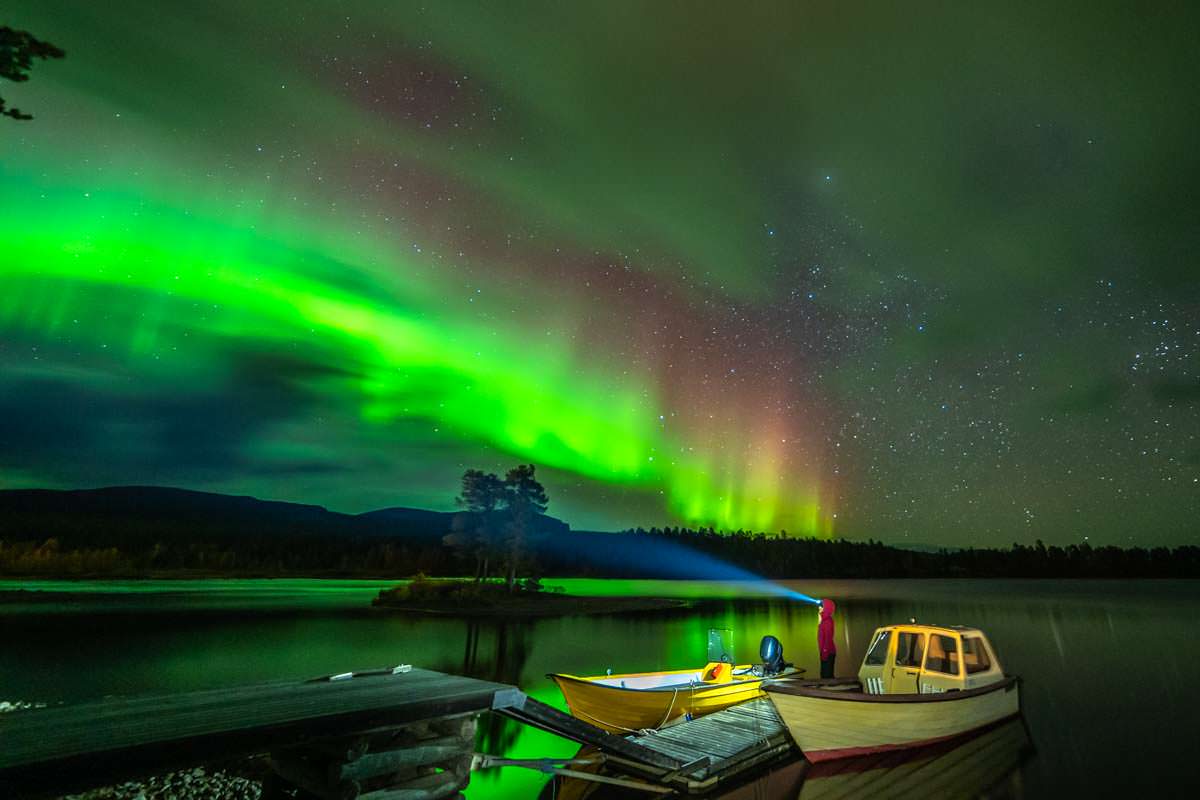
[(502, 658)]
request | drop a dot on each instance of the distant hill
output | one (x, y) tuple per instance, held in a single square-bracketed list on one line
[(132, 515)]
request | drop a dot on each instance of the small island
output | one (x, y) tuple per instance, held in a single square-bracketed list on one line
[(527, 598), (503, 523)]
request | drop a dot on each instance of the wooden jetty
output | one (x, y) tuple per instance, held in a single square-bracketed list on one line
[(339, 736), (389, 734), (693, 757)]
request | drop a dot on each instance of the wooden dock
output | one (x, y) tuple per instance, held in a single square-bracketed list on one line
[(729, 742), (694, 757), (374, 735), (54, 750)]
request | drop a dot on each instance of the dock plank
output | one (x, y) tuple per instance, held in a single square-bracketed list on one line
[(734, 740), (125, 735)]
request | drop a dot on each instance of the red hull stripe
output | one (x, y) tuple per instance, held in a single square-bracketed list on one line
[(817, 756)]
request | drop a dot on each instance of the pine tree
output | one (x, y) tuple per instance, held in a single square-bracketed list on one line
[(526, 498), (482, 495)]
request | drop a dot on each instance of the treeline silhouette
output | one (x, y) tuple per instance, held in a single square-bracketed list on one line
[(780, 556), (256, 557), (631, 554), (150, 531)]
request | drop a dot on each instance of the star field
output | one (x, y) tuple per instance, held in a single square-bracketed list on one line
[(917, 275)]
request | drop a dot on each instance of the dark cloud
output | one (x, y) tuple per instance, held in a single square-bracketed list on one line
[(1094, 397), (100, 427), (299, 468)]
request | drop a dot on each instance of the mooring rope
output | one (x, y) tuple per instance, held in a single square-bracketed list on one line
[(641, 731), (670, 708), (607, 724)]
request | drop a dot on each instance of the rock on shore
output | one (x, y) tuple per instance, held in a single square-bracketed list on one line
[(189, 784)]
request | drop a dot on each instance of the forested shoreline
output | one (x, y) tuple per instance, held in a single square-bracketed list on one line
[(582, 554)]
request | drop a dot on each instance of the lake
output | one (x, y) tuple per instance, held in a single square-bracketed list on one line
[(1110, 697)]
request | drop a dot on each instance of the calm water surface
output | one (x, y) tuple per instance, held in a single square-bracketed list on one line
[(1110, 690)]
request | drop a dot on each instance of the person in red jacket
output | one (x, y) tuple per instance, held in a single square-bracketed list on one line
[(825, 646)]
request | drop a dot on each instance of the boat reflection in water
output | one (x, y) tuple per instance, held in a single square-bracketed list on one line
[(977, 764), (965, 767)]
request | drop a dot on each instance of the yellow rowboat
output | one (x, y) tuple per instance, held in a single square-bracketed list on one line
[(640, 700), (918, 685)]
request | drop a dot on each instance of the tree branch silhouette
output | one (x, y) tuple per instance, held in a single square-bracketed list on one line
[(18, 49)]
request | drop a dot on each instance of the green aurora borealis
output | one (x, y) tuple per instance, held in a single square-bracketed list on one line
[(178, 278), (859, 270)]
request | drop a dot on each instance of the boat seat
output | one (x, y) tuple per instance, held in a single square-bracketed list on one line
[(717, 672)]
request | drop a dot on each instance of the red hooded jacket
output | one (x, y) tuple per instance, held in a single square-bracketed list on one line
[(825, 645)]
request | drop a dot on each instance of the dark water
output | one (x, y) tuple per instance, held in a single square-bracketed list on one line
[(1110, 686)]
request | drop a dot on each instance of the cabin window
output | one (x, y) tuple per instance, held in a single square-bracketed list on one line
[(975, 655), (878, 652), (943, 655), (910, 647)]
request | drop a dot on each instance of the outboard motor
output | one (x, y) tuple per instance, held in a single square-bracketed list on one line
[(770, 651)]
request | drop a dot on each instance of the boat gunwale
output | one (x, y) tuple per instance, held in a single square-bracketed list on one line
[(674, 687), (693, 671), (1008, 683)]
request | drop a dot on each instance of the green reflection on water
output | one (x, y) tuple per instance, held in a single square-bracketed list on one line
[(1076, 643)]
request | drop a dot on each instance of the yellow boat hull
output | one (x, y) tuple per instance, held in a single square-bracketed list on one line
[(840, 724), (621, 709)]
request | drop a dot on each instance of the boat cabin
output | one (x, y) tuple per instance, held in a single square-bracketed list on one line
[(926, 659)]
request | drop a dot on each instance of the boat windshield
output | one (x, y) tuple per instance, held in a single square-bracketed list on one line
[(720, 645), (975, 656), (943, 655), (878, 652), (910, 647)]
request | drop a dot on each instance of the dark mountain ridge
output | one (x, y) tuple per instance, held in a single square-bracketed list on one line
[(137, 531), (118, 514)]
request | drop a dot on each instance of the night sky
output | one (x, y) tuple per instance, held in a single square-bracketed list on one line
[(921, 272)]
